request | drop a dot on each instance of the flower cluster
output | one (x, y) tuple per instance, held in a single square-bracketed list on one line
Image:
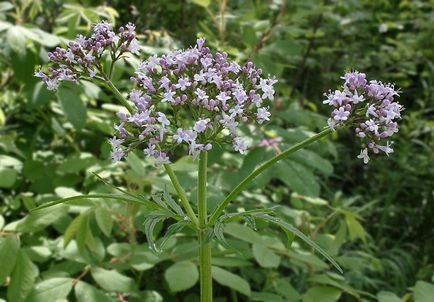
[(82, 57), (191, 97), (369, 107)]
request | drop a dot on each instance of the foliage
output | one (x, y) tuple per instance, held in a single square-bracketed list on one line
[(375, 221)]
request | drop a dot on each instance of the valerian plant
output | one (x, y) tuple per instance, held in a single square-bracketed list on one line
[(188, 101)]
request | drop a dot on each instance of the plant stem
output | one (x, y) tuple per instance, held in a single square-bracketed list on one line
[(205, 244), (119, 96), (237, 190), (181, 194)]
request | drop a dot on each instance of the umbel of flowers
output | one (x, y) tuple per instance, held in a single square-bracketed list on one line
[(370, 108), (194, 98), (82, 57)]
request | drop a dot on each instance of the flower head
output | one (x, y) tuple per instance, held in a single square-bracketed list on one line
[(193, 98), (82, 57), (370, 107)]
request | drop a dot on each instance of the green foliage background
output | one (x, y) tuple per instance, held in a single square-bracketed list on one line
[(376, 220)]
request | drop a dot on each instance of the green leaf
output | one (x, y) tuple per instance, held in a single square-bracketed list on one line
[(303, 237), (16, 39), (68, 96), (5, 6), (73, 228), (85, 292), (149, 224), (22, 278), (112, 281), (204, 3), (384, 296), (423, 292), (355, 229), (181, 276), (104, 220), (231, 280), (51, 290), (323, 294), (8, 177), (9, 247), (120, 197), (38, 220), (299, 178), (265, 256)]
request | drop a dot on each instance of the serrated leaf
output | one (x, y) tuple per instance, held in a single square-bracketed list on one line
[(226, 278), (172, 203), (171, 230), (181, 276), (52, 289), (22, 278), (149, 225), (104, 220), (9, 247), (68, 96)]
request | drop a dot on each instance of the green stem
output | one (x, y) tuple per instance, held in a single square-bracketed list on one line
[(181, 194), (237, 190), (119, 96), (205, 244)]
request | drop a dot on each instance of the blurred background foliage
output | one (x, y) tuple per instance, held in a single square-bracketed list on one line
[(376, 220)]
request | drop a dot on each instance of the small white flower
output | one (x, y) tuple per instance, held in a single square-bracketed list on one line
[(364, 155)]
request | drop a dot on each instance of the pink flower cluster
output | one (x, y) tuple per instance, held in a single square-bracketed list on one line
[(370, 107), (191, 97), (82, 57)]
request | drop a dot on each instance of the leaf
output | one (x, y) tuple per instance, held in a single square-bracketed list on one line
[(112, 281), (9, 247), (423, 292), (265, 256), (22, 278), (5, 6), (323, 294), (355, 229), (299, 178), (104, 220), (385, 296), (85, 292), (171, 230), (38, 220), (231, 280), (16, 39), (303, 237), (4, 25), (68, 96), (52, 289), (124, 198), (181, 276), (73, 228), (203, 3), (149, 224), (8, 177)]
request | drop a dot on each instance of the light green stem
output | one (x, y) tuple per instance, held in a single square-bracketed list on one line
[(119, 96), (181, 194), (205, 244), (237, 190)]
